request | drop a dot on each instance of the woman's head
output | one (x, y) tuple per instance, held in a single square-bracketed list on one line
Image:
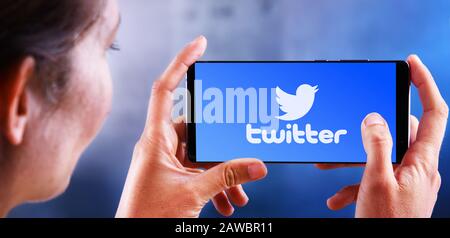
[(55, 89)]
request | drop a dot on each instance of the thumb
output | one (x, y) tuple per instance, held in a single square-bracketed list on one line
[(377, 142), (227, 175)]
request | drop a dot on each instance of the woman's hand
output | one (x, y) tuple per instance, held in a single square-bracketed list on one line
[(410, 189), (161, 181)]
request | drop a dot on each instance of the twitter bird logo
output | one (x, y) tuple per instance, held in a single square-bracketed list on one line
[(296, 106)]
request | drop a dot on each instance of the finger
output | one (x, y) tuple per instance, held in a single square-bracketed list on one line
[(377, 142), (180, 127), (435, 111), (414, 125), (337, 166), (343, 198), (237, 195), (181, 153), (161, 98), (179, 66), (222, 204), (227, 175)]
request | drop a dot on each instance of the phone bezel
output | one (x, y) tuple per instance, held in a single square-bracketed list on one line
[(403, 84)]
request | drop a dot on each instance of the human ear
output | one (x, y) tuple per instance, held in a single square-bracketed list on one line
[(14, 104)]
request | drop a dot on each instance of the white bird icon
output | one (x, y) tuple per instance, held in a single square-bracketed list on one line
[(296, 106)]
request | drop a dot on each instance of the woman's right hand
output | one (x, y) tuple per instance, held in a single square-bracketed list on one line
[(162, 182), (410, 189)]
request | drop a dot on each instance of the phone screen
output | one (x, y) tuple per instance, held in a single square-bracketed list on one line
[(308, 112)]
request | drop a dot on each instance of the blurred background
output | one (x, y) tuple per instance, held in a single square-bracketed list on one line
[(153, 31)]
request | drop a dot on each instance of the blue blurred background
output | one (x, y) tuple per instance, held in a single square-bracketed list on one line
[(153, 31)]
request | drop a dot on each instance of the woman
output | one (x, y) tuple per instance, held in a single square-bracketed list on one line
[(55, 92)]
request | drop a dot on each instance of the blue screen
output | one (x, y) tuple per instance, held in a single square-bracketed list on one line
[(290, 111)]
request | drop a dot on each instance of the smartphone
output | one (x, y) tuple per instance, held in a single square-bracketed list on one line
[(293, 111)]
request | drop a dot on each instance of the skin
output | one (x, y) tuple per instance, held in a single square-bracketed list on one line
[(161, 181), (40, 143), (411, 188)]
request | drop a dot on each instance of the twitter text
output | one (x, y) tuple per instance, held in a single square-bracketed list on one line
[(293, 135)]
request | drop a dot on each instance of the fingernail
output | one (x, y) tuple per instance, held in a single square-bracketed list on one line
[(256, 171), (198, 38), (246, 198), (231, 211), (373, 119), (198, 51), (417, 58)]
